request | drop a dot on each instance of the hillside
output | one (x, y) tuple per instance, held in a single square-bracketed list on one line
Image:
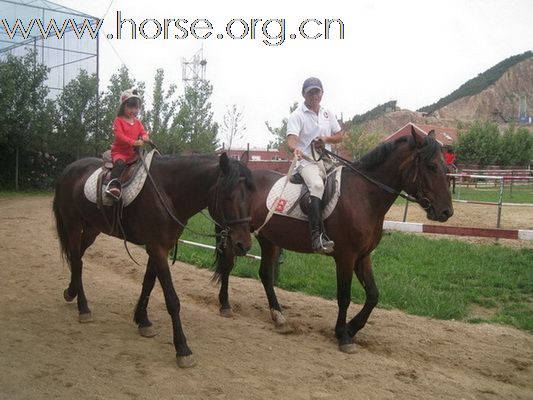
[(480, 83), (493, 95)]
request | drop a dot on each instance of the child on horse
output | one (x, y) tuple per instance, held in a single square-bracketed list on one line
[(308, 124), (129, 135)]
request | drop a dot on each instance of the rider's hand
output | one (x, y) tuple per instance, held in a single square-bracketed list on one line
[(138, 143), (298, 153), (319, 143)]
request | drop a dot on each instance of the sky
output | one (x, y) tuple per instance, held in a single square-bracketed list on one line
[(412, 51)]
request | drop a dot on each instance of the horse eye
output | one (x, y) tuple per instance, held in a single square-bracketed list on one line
[(432, 167)]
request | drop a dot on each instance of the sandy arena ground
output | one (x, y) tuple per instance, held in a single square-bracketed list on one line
[(47, 354)]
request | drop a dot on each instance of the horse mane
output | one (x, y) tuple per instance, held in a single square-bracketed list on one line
[(229, 180), (236, 171), (378, 155)]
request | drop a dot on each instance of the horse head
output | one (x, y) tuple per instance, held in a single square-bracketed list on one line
[(230, 203), (424, 177)]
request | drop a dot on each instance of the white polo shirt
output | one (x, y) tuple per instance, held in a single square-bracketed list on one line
[(307, 125)]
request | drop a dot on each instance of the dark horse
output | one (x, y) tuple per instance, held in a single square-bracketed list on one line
[(183, 186), (413, 164)]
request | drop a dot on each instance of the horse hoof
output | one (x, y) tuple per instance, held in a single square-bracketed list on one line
[(186, 361), (349, 348), (226, 312), (67, 296), (284, 328), (85, 318), (147, 331)]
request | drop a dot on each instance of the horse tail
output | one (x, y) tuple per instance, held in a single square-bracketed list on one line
[(62, 232)]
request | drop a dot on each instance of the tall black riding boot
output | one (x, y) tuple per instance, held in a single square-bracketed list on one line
[(114, 187), (319, 243)]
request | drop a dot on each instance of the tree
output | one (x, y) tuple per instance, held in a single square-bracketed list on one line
[(232, 128), (358, 143), (157, 119), (78, 115), (480, 144), (280, 133), (516, 147), (193, 126), (22, 104)]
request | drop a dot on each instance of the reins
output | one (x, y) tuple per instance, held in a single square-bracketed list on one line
[(424, 202)]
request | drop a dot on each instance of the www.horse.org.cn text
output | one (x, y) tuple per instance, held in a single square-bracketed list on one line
[(271, 32)]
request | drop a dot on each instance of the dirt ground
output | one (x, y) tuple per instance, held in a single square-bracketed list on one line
[(47, 354)]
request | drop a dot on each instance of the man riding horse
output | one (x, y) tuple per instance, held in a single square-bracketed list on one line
[(310, 123)]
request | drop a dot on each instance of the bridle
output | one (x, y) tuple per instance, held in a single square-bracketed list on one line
[(417, 198), (224, 226)]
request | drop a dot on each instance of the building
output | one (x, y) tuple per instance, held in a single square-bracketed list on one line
[(273, 159), (63, 39), (444, 135)]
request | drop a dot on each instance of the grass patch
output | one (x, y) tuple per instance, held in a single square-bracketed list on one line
[(438, 278)]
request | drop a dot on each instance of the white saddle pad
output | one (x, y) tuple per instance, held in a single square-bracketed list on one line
[(129, 192), (288, 200)]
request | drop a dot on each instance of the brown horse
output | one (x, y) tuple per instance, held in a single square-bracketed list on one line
[(179, 188), (413, 164)]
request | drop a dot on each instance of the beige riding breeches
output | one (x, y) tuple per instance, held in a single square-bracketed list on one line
[(314, 176)]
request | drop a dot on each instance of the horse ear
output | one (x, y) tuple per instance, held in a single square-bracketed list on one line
[(419, 140), (245, 158), (224, 163)]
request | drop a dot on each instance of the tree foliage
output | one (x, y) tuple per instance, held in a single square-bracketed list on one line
[(280, 132), (77, 126), (358, 142), (483, 144), (23, 106), (157, 119), (193, 126)]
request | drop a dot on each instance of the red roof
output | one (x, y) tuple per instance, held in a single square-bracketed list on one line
[(444, 135)]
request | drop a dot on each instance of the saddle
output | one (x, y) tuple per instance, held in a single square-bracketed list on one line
[(132, 179), (130, 171), (330, 187)]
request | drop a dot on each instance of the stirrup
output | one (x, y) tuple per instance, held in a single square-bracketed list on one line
[(114, 192), (326, 245)]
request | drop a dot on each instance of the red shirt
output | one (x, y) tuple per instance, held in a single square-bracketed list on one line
[(125, 135), (449, 158)]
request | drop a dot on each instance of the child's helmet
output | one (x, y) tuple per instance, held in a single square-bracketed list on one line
[(129, 94)]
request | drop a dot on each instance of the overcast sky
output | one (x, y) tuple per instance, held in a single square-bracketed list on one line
[(412, 51)]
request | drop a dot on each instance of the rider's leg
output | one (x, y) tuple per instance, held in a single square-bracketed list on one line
[(114, 186), (313, 176)]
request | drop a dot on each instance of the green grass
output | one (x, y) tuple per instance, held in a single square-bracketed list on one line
[(519, 194), (438, 278)]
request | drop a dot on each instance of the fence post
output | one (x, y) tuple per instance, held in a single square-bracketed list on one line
[(500, 201)]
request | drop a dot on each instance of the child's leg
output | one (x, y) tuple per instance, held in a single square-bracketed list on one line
[(114, 187)]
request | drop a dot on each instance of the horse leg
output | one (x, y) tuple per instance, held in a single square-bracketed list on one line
[(344, 285), (269, 256), (363, 271), (225, 263), (140, 316), (158, 259), (88, 236), (79, 240)]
